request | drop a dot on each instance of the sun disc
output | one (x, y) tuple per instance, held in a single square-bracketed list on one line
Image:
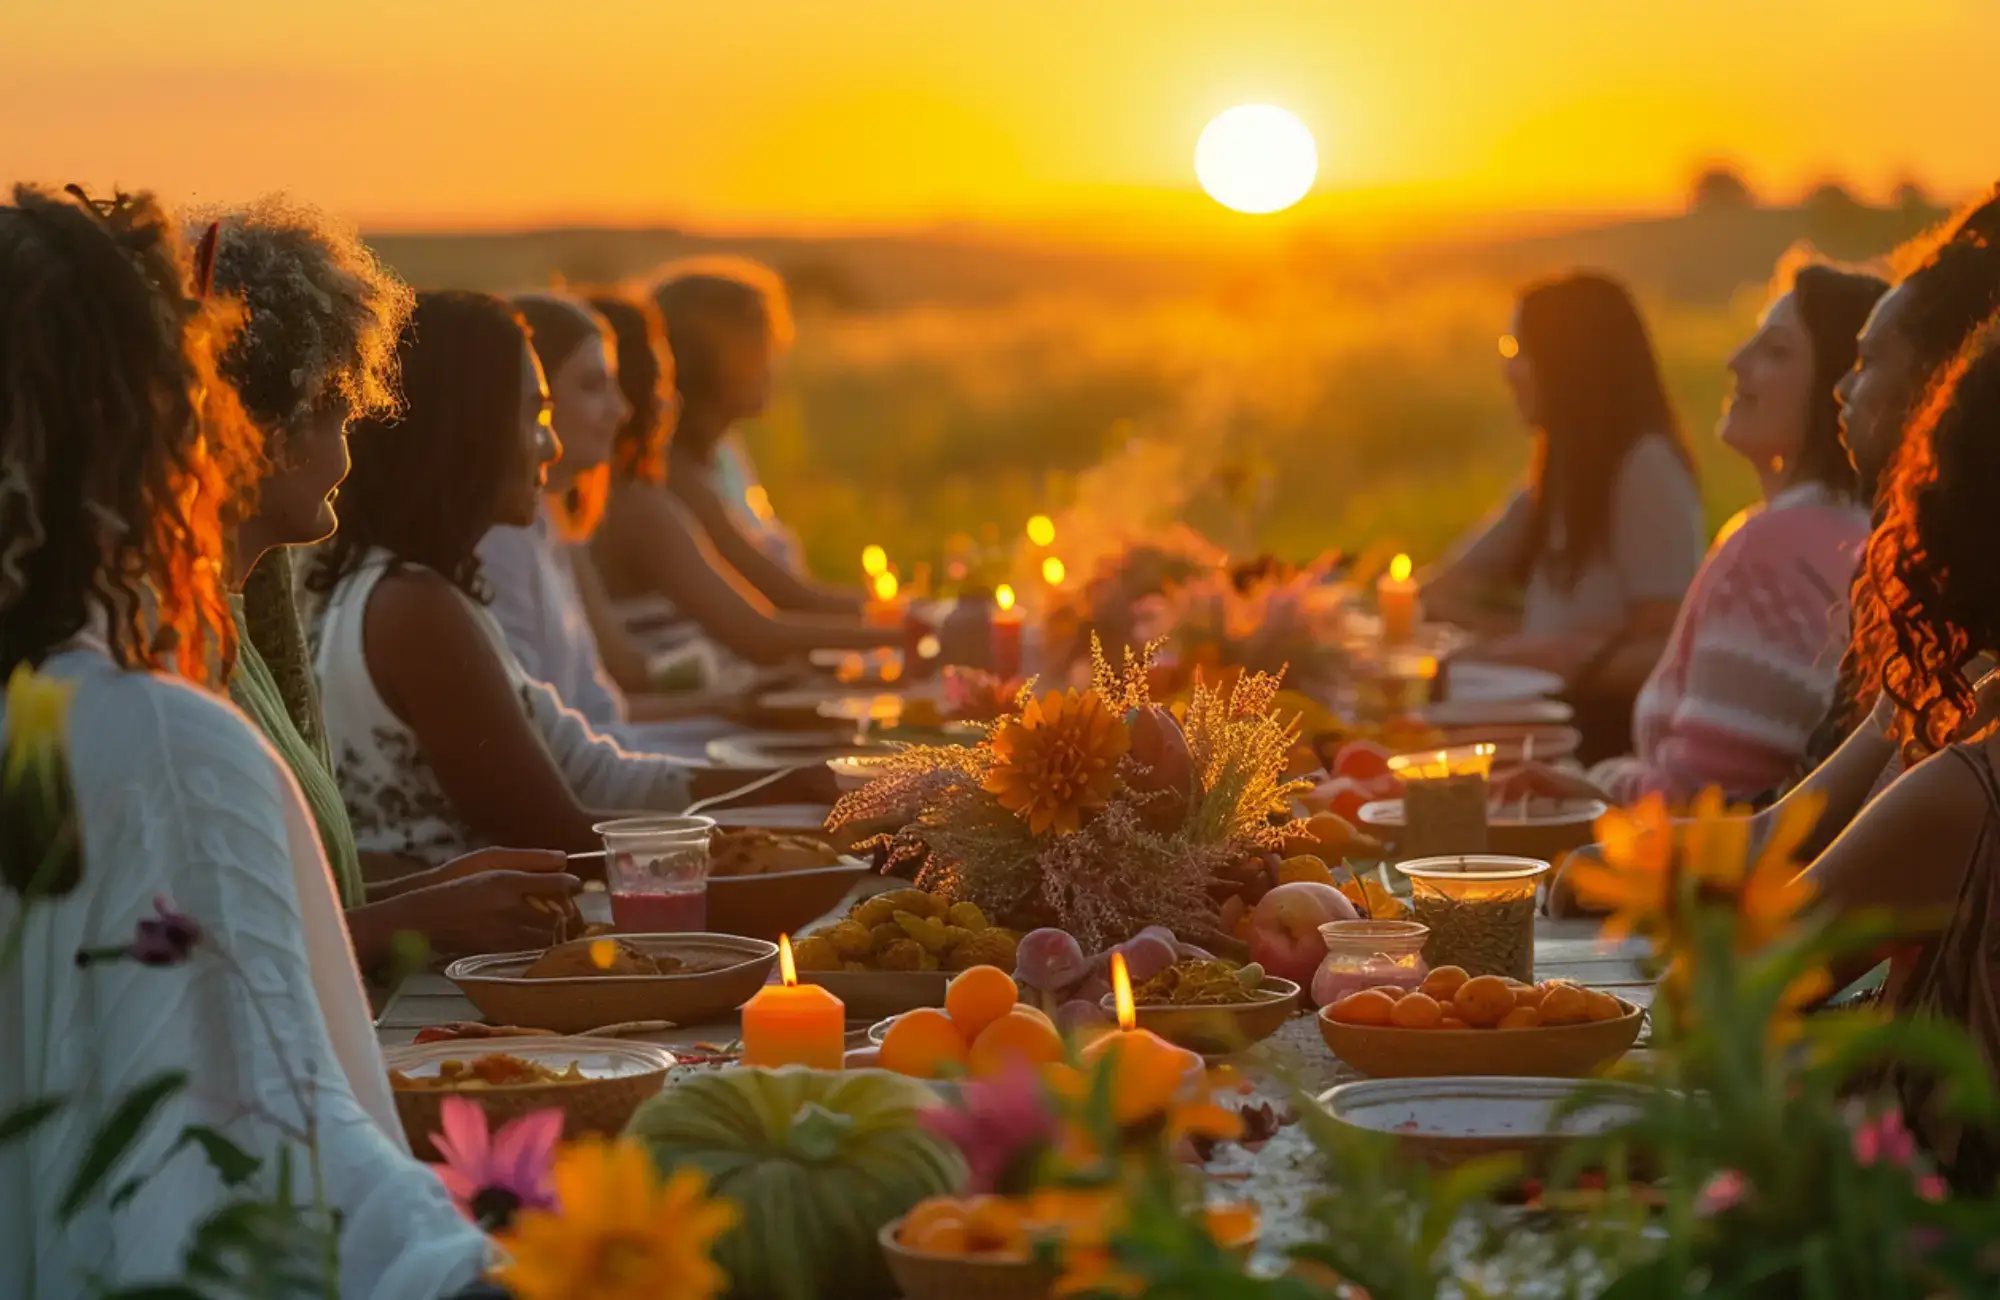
[(1256, 158)]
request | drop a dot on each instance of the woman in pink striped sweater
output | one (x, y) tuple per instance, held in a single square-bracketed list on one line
[(1752, 659)]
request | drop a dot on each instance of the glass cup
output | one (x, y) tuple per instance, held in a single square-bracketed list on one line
[(656, 871), (1480, 910), (1368, 954)]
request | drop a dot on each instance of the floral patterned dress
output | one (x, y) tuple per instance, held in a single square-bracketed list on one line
[(392, 794)]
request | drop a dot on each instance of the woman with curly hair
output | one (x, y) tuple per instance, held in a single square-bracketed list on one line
[(681, 541), (317, 350), (441, 741), (122, 455), (1927, 850)]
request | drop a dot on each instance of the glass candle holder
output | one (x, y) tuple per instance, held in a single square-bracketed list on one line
[(1368, 954), (1480, 910)]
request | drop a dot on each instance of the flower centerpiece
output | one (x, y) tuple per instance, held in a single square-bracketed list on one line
[(1255, 616), (1096, 810)]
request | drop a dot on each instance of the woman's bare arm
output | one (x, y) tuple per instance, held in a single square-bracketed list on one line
[(621, 654), (437, 671), (664, 549), (785, 589)]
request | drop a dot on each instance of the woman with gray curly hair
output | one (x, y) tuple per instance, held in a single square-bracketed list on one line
[(317, 350)]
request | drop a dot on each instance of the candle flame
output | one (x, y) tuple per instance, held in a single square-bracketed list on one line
[(1041, 530), (886, 586), (874, 561), (1399, 569), (929, 648), (1052, 571), (787, 972), (1121, 990), (1003, 596)]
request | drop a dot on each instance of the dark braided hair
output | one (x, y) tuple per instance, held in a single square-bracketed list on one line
[(1932, 590), (424, 485), (124, 460), (646, 375)]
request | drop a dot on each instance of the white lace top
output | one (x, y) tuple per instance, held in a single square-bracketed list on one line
[(394, 798), (179, 797)]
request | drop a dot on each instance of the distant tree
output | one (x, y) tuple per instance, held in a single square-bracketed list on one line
[(1831, 199), (1720, 189), (1911, 196)]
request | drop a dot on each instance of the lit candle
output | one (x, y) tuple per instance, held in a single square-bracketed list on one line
[(1053, 571), (793, 1023), (1042, 530), (1006, 633), (1396, 601), (1147, 1071), (884, 610), (1444, 801), (874, 561)]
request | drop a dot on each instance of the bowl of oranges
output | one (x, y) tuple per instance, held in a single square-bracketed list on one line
[(982, 1028), (1453, 1023)]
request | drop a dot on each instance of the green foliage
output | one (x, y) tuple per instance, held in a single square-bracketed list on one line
[(115, 1137)]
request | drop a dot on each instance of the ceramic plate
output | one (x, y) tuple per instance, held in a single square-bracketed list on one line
[(1487, 683)]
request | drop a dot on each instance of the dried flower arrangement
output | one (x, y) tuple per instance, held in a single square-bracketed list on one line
[(1096, 810)]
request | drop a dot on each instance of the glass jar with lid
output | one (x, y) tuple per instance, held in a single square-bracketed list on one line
[(1369, 954)]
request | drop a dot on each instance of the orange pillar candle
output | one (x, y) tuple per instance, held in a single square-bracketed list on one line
[(1396, 601), (793, 1023), (1148, 1072)]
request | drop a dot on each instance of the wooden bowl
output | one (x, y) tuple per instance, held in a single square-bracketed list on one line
[(1449, 1121), (621, 1075), (1553, 1051), (764, 907), (921, 1275), (1225, 1027), (736, 968), (871, 995), (1545, 834)]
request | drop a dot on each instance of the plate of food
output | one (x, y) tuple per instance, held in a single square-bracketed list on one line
[(1487, 1025), (1539, 826), (898, 950), (1212, 1007), (1467, 680), (764, 883), (683, 978), (768, 751), (596, 1082), (1452, 1120)]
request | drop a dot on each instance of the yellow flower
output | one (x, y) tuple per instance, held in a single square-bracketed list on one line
[(1633, 880), (1058, 760), (618, 1232), (37, 722)]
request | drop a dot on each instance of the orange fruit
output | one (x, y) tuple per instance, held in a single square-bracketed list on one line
[(1016, 1036), (1452, 1022), (937, 1225), (1230, 1225), (1520, 1018), (1417, 1011), (1601, 1006), (1483, 1000), (1304, 867), (1564, 1005), (1030, 1009), (923, 1043), (1394, 992), (978, 997), (1530, 995), (995, 1225), (1443, 982), (1364, 1008)]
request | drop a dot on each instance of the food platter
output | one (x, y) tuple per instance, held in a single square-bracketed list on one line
[(723, 972), (616, 1077)]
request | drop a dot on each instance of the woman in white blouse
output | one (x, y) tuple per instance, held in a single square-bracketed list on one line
[(113, 412)]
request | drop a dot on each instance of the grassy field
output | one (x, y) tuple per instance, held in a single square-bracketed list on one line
[(1287, 399)]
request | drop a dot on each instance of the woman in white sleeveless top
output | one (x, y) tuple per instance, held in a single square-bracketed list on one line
[(112, 410), (440, 740)]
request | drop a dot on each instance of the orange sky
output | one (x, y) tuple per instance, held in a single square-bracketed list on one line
[(849, 113)]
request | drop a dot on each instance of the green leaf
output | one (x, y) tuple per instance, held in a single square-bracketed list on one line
[(26, 1117), (110, 1143), (232, 1164)]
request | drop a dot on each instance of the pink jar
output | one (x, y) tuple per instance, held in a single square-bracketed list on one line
[(1367, 954)]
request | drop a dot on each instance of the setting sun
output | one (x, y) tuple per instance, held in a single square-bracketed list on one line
[(1256, 158)]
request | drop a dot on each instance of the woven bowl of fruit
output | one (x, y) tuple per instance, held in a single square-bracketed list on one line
[(1213, 1007), (1488, 1025), (954, 1264)]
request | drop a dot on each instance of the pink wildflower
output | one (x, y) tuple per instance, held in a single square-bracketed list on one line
[(490, 1177), (997, 1124), (1722, 1192)]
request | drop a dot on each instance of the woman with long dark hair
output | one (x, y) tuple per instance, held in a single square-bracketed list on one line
[(441, 741), (1583, 572), (1751, 664), (124, 460)]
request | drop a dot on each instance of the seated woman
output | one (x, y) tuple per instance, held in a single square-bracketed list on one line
[(1927, 849), (318, 349), (1582, 573), (678, 541), (1750, 665), (122, 449), (440, 741)]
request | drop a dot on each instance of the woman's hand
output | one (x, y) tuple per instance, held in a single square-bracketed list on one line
[(492, 911), (483, 860)]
